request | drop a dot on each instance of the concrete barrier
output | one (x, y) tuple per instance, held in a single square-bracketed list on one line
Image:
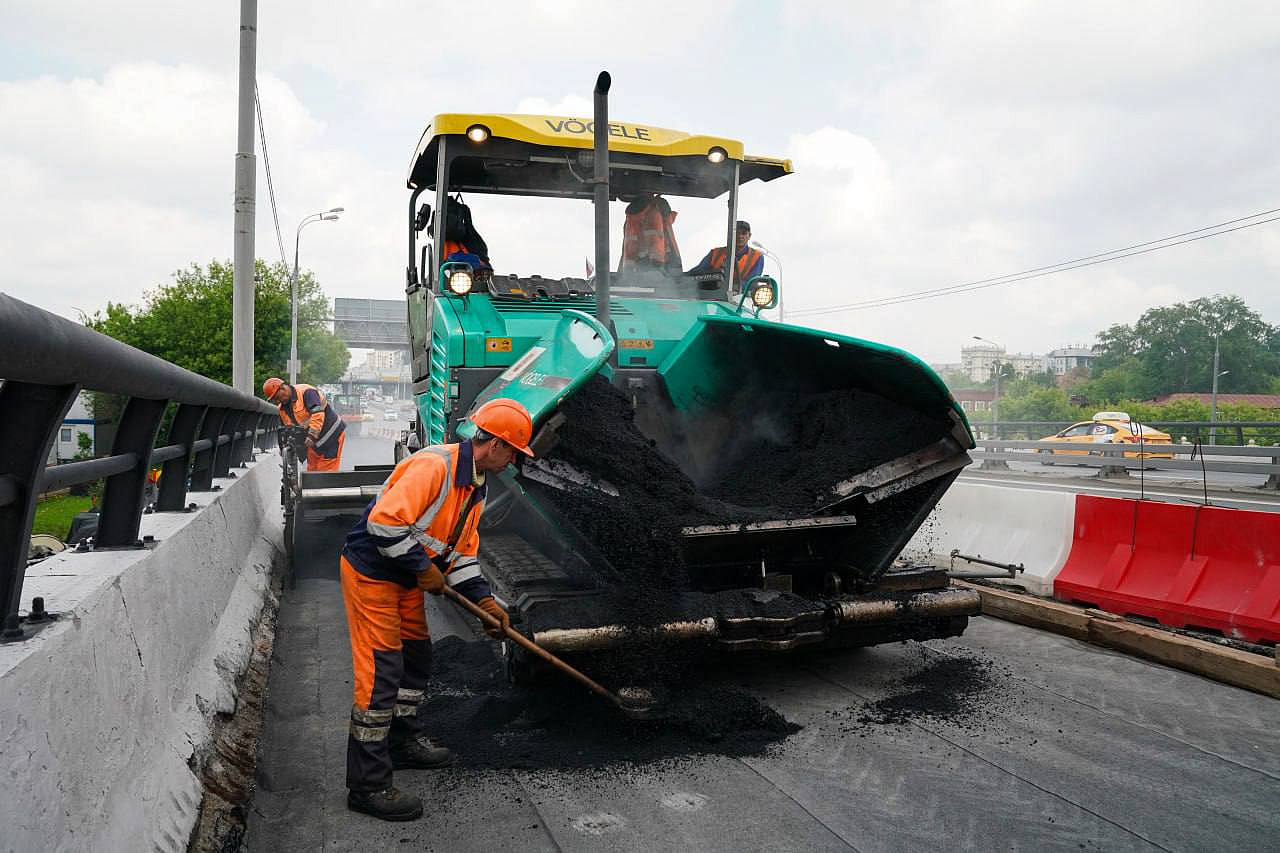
[(105, 715), (1000, 523)]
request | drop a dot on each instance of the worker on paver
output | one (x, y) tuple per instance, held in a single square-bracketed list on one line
[(648, 236), (750, 261), (305, 405), (419, 535)]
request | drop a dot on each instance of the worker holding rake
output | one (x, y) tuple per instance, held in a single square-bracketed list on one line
[(420, 535)]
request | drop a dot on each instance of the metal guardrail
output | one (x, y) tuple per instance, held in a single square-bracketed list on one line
[(45, 362), (1239, 432), (1112, 459)]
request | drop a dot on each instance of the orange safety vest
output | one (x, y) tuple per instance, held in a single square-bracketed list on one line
[(648, 236), (321, 421), (425, 498), (745, 263), (452, 247)]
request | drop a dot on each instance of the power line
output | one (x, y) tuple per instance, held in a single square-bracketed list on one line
[(266, 162), (1040, 272)]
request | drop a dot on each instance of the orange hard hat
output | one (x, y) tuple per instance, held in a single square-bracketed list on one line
[(508, 420), (271, 386)]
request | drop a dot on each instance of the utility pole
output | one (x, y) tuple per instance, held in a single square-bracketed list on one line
[(995, 403), (1213, 415), (246, 177)]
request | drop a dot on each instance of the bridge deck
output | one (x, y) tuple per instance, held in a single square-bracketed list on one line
[(1063, 746)]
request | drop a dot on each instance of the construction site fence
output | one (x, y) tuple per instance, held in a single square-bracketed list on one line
[(1120, 458), (45, 362), (1239, 433)]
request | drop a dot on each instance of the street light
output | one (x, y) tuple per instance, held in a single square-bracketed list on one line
[(1213, 415), (995, 404), (326, 216)]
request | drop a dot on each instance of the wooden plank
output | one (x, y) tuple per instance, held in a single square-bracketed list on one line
[(1211, 660), (1221, 663), (1029, 610)]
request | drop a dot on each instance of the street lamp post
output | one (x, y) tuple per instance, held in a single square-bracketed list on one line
[(995, 403), (1213, 414), (327, 216)]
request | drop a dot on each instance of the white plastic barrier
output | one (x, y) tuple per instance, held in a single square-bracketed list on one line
[(101, 711), (1001, 523)]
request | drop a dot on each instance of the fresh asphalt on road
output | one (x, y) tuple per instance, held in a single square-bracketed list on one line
[(1065, 746)]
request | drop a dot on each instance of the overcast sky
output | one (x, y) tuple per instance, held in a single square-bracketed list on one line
[(934, 143)]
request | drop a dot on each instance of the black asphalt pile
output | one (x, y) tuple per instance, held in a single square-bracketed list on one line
[(491, 724), (794, 447), (944, 689), (637, 532)]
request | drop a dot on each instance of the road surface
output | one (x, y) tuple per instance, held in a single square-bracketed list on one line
[(1061, 746)]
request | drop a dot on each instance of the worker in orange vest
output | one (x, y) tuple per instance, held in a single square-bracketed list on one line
[(750, 262), (648, 238), (304, 405), (419, 535), (462, 242)]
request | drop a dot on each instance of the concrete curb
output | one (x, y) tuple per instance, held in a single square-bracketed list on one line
[(106, 714)]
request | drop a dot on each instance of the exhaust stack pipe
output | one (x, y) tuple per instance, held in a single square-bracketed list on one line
[(601, 196)]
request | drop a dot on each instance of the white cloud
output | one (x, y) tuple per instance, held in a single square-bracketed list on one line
[(934, 143), (123, 179)]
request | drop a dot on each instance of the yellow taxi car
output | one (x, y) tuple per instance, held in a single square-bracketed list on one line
[(1112, 428)]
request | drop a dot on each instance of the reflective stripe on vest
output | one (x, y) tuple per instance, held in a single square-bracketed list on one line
[(419, 529), (330, 432)]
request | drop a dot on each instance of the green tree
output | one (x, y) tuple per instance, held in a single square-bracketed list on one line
[(1038, 404), (1170, 349), (188, 323)]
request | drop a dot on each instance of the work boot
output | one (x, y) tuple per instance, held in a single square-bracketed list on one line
[(421, 753), (387, 804)]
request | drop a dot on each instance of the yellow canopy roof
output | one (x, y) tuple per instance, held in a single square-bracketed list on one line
[(565, 132), (560, 132)]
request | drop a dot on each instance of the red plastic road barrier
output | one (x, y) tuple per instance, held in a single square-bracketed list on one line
[(1126, 553), (1101, 543), (1182, 565), (1233, 576)]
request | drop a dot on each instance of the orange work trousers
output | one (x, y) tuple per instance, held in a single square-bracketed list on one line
[(391, 662), (316, 462)]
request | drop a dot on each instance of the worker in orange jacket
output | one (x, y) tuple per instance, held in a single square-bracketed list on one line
[(648, 238), (749, 263), (301, 405), (421, 534)]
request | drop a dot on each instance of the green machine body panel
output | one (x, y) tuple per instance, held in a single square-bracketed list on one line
[(721, 353), (576, 349)]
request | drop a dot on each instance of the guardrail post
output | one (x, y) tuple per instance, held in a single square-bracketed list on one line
[(30, 416), (994, 464), (202, 467), (173, 476), (242, 447), (1273, 482), (269, 425), (1107, 472), (222, 453), (122, 495)]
